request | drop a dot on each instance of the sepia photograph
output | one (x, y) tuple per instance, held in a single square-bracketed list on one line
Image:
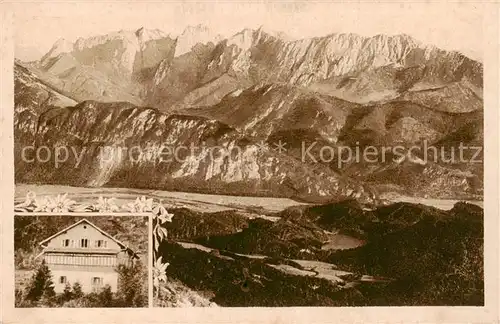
[(71, 261), (288, 154)]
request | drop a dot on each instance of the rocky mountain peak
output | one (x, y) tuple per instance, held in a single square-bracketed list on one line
[(275, 33), (139, 32), (246, 38), (193, 35), (60, 46), (144, 34)]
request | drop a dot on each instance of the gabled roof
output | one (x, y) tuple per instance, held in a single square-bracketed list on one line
[(120, 244)]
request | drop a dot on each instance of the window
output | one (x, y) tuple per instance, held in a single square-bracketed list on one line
[(84, 243), (97, 281), (65, 243), (100, 243), (63, 279)]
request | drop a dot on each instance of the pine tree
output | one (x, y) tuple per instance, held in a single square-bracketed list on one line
[(130, 285), (77, 290), (40, 284), (48, 299), (106, 297), (67, 293)]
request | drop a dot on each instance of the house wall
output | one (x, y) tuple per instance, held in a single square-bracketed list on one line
[(81, 231), (84, 276), (81, 264)]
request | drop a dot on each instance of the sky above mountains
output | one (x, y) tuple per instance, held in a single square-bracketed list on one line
[(453, 26)]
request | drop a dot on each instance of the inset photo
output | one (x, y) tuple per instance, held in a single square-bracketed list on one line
[(76, 261)]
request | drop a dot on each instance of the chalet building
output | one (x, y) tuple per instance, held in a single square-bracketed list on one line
[(85, 253)]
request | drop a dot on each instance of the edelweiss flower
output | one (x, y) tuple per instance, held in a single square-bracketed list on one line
[(106, 205), (43, 204), (140, 205), (30, 199), (159, 274), (59, 204), (162, 214)]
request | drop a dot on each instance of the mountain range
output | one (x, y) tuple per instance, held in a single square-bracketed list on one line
[(252, 90)]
